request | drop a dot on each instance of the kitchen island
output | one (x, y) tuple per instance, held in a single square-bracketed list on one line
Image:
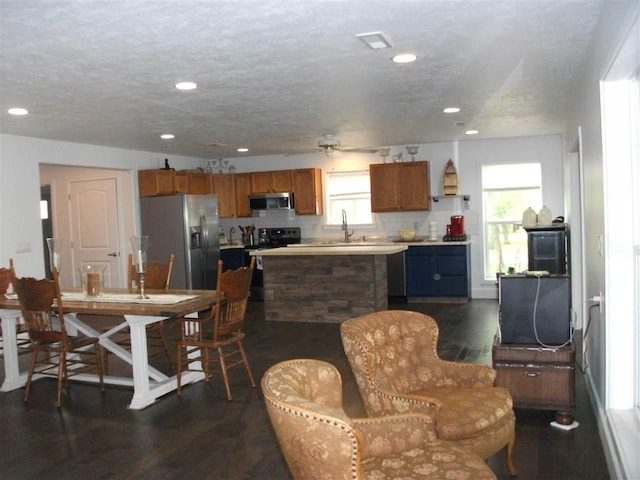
[(327, 284)]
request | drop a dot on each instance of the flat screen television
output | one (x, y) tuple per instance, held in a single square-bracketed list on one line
[(535, 310)]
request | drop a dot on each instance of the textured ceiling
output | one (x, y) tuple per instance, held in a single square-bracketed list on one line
[(275, 75)]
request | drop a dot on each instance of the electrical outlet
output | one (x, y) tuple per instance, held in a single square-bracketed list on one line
[(601, 302), (601, 245)]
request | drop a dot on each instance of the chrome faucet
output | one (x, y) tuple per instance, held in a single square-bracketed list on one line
[(345, 227), (231, 232)]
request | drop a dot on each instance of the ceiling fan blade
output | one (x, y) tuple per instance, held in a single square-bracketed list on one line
[(359, 149)]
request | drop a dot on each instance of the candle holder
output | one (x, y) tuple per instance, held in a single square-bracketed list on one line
[(140, 262), (413, 150), (55, 246), (384, 153)]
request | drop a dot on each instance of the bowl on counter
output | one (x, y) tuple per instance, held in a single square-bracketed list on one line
[(407, 235)]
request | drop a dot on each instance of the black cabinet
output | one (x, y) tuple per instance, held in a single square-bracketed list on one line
[(232, 258), (438, 271)]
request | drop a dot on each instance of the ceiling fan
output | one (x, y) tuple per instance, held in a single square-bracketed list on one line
[(329, 144)]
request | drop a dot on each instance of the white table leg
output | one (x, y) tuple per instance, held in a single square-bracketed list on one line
[(13, 379)]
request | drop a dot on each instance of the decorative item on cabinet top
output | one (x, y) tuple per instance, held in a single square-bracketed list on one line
[(450, 179)]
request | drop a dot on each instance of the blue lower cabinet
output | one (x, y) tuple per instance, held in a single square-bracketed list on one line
[(232, 258), (438, 271)]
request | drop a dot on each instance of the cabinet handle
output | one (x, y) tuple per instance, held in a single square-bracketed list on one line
[(437, 276), (532, 374), (112, 254)]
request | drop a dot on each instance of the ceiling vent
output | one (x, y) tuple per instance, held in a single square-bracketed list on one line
[(374, 40)]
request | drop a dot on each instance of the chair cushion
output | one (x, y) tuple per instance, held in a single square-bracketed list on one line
[(434, 461), (468, 412)]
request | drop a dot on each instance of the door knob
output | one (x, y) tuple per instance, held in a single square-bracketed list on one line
[(112, 254)]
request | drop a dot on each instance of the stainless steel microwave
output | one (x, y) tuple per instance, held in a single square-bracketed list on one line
[(271, 201)]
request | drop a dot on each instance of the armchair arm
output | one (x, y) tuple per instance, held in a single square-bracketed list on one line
[(381, 436), (457, 374)]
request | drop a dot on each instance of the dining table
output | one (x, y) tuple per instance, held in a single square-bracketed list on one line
[(128, 310)]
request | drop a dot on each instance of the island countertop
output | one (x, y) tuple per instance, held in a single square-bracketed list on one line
[(330, 250)]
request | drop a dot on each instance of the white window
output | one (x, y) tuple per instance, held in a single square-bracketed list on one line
[(351, 192), (507, 191)]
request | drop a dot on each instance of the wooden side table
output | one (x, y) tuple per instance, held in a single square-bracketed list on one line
[(538, 377)]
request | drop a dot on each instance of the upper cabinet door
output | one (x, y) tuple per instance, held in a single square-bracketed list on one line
[(271, 182), (281, 181), (162, 182), (397, 187), (199, 183), (413, 186), (223, 185), (307, 191), (384, 186), (243, 189)]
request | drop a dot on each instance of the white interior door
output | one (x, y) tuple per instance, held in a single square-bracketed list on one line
[(94, 227)]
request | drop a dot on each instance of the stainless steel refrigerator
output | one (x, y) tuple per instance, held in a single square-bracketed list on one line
[(186, 226)]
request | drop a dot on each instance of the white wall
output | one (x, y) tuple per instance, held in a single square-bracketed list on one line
[(20, 158), (615, 22)]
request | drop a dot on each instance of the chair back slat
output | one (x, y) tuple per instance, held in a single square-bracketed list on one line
[(233, 289), (40, 302), (5, 278), (157, 275)]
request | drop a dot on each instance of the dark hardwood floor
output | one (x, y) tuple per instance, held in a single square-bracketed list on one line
[(202, 435)]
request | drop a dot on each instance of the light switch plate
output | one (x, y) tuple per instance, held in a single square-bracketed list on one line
[(23, 247)]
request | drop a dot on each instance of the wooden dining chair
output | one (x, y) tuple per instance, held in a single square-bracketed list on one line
[(157, 276), (6, 275), (55, 353), (219, 330)]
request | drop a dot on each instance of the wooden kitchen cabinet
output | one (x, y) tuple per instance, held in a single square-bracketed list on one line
[(278, 181), (199, 183), (152, 183), (224, 186), (400, 186), (242, 183), (441, 271), (307, 190)]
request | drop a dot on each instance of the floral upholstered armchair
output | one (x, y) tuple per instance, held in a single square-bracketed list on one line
[(319, 441), (396, 365)]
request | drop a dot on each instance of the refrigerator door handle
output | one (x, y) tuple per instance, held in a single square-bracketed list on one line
[(205, 236)]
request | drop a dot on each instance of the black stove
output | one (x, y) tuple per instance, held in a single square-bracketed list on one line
[(278, 237), (268, 238)]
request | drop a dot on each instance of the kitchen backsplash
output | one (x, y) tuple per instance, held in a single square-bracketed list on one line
[(386, 225)]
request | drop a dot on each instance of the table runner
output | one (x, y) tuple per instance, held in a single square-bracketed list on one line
[(154, 298)]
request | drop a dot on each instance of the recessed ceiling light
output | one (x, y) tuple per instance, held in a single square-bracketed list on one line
[(472, 132), (186, 86), (404, 58), (451, 110), (243, 149), (18, 111), (167, 136), (374, 40)]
